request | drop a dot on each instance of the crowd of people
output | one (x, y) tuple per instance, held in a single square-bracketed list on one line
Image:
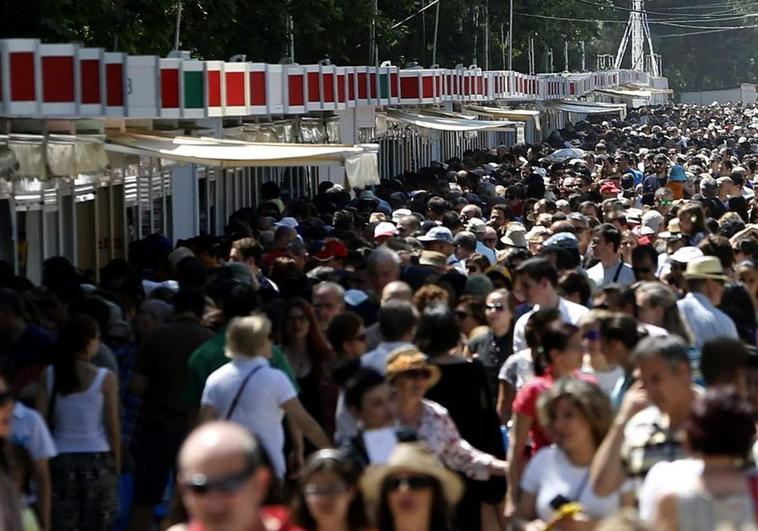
[(550, 336)]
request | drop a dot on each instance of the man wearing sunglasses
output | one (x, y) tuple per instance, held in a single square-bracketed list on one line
[(223, 481)]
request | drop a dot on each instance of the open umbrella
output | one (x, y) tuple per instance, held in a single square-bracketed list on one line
[(561, 155)]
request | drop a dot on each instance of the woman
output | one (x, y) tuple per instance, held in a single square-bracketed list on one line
[(559, 354), (10, 500), (747, 273), (328, 498), (471, 316), (309, 354), (494, 347), (518, 369), (692, 223), (250, 392), (411, 376), (473, 412), (578, 415), (718, 495), (347, 336), (628, 243), (477, 263), (413, 491), (656, 305), (80, 402), (737, 304)]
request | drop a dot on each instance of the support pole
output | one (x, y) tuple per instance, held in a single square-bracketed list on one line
[(510, 37)]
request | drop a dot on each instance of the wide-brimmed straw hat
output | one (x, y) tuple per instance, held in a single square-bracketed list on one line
[(705, 267), (416, 458), (410, 359)]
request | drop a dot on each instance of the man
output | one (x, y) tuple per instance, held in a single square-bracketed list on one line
[(250, 252), (606, 241), (649, 425), (705, 280), (283, 237), (644, 262), (465, 245), (438, 239), (383, 267), (408, 226), (223, 481), (478, 228), (436, 208), (582, 230), (624, 165), (499, 216), (159, 378), (537, 280), (328, 301), (396, 290)]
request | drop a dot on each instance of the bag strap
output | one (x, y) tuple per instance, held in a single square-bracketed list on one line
[(239, 392), (752, 480), (618, 271), (51, 402)]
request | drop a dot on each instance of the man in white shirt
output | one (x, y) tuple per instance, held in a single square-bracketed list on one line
[(537, 279), (606, 241)]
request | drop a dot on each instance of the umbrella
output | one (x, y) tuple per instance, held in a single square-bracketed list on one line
[(565, 154)]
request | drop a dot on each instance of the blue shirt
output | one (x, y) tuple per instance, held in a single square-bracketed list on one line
[(705, 320)]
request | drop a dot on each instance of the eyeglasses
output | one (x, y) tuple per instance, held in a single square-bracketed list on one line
[(5, 397), (666, 202), (496, 307), (315, 490), (490, 240), (200, 484), (592, 335), (418, 374), (410, 482), (460, 314)]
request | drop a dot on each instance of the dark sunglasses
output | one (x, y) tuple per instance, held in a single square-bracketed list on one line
[(418, 374), (5, 397), (229, 484), (592, 335), (410, 482), (460, 314), (498, 306)]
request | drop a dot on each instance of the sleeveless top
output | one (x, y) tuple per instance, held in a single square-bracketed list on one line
[(79, 426), (699, 511)]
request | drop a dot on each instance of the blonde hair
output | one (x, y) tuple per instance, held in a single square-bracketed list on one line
[(246, 335), (591, 401)]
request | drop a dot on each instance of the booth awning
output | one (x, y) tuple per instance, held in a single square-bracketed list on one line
[(588, 107), (627, 92), (25, 156), (522, 115), (442, 123), (360, 161)]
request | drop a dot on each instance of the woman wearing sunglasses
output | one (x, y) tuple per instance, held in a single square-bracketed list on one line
[(496, 345), (413, 491), (328, 498)]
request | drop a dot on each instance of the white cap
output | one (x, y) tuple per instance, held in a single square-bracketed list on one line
[(685, 254)]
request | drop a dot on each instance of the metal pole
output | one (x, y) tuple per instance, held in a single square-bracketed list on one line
[(486, 36), (565, 56), (502, 43), (178, 24), (372, 33), (510, 38), (436, 30)]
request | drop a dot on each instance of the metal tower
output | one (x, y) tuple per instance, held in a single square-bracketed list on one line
[(638, 30)]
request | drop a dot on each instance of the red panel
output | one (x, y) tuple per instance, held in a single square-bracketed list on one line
[(341, 96), (314, 90), (450, 86), (467, 89), (479, 85), (258, 88), (427, 84), (214, 88), (372, 84), (89, 70), (57, 79), (439, 85), (170, 88), (114, 84), (351, 86), (393, 85), (296, 90), (22, 76), (328, 80), (235, 89), (362, 89), (572, 88), (409, 87)]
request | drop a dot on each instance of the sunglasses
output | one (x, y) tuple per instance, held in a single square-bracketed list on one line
[(497, 307), (410, 482), (460, 314), (230, 484), (314, 490), (592, 335), (666, 202), (5, 397), (418, 374)]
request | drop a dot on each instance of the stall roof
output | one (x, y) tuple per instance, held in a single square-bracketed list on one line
[(523, 115), (633, 92), (360, 161), (588, 107), (442, 123)]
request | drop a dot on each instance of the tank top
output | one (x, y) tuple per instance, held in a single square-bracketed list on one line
[(79, 426)]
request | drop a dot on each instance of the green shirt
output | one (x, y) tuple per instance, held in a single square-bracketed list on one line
[(210, 356)]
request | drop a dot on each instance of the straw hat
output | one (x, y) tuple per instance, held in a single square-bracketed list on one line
[(416, 458), (411, 359), (433, 258), (515, 235), (705, 267)]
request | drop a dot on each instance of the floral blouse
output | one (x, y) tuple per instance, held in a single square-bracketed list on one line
[(439, 431)]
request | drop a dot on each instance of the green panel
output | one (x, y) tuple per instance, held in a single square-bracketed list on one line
[(384, 86), (193, 90)]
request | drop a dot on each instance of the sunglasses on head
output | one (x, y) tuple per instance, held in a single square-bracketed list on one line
[(498, 306), (230, 484), (410, 482)]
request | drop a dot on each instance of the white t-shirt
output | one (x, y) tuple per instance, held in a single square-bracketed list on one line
[(550, 474), (665, 477), (606, 380), (260, 406), (571, 312), (29, 430), (603, 276)]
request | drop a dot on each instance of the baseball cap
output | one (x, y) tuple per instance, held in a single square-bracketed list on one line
[(385, 228), (437, 234)]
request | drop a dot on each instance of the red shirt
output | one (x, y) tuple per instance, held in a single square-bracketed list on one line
[(272, 518)]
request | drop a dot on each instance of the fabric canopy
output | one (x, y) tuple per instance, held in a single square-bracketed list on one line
[(37, 157), (360, 161), (588, 107), (442, 123), (523, 115), (627, 93)]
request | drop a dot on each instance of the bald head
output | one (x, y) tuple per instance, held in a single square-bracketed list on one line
[(397, 290), (216, 440)]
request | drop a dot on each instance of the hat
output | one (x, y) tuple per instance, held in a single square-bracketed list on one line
[(414, 457), (677, 174), (476, 226), (177, 255), (287, 222), (331, 249), (433, 258), (400, 213), (407, 359), (708, 183), (686, 254), (705, 267), (437, 234), (514, 235), (535, 232), (564, 240), (609, 187), (367, 195), (240, 272), (385, 228)]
